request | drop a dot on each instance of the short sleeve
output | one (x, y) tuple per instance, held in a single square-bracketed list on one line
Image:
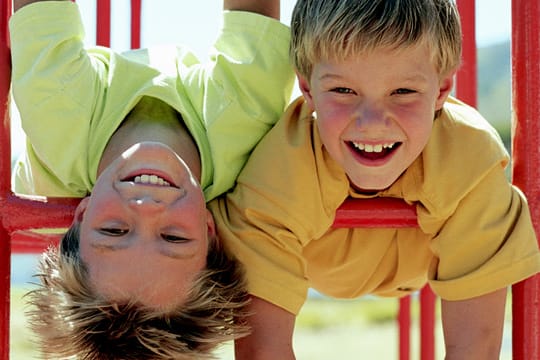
[(487, 244)]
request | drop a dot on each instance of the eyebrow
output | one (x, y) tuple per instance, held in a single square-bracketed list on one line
[(415, 77), (331, 76), (165, 252), (411, 78)]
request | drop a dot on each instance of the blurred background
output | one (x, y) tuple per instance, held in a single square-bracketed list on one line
[(326, 328)]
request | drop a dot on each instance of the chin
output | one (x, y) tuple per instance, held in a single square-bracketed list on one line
[(372, 186)]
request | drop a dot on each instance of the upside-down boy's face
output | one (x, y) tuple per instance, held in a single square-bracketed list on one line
[(375, 111), (145, 228)]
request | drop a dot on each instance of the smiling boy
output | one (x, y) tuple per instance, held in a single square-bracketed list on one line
[(376, 120), (146, 137)]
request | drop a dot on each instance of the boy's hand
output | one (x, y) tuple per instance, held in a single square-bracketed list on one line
[(268, 8), (473, 328), (17, 4)]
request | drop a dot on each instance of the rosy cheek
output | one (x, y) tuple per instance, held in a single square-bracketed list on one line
[(326, 129)]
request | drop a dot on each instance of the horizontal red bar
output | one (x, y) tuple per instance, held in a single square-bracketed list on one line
[(27, 242), (375, 212), (24, 213)]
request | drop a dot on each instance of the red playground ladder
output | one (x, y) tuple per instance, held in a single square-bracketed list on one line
[(18, 215)]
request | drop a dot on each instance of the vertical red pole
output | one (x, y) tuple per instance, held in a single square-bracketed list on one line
[(103, 22), (526, 163), (5, 283), (466, 79), (135, 24), (404, 321), (427, 321), (5, 171)]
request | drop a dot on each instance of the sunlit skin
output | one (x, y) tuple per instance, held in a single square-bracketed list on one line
[(375, 111), (143, 239)]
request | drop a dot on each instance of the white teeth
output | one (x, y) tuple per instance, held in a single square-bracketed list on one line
[(373, 148), (150, 179)]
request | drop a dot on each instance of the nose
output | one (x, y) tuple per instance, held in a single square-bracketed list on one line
[(148, 196), (369, 115), (146, 204)]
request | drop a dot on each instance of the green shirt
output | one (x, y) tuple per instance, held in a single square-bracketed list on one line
[(72, 99)]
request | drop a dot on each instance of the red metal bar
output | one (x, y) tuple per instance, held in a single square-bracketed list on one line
[(5, 170), (5, 80), (135, 24), (427, 323), (28, 242), (376, 212), (37, 212), (526, 163), (404, 326), (103, 22), (466, 79), (5, 282)]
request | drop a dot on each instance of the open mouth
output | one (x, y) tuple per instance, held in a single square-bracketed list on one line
[(149, 179), (374, 152)]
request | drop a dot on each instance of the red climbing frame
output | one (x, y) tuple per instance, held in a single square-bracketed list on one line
[(526, 163), (18, 215)]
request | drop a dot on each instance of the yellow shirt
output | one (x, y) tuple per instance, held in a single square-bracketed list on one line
[(475, 234)]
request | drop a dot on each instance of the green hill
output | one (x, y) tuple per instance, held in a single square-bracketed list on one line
[(494, 86)]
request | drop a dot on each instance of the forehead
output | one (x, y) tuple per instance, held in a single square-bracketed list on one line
[(407, 62), (330, 51)]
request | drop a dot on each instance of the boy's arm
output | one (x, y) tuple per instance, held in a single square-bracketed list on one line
[(473, 328), (271, 333), (251, 50), (268, 8)]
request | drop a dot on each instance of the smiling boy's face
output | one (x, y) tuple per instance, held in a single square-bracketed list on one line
[(145, 228), (375, 111)]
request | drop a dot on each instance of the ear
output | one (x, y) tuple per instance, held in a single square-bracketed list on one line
[(445, 88), (210, 224), (81, 208), (306, 90)]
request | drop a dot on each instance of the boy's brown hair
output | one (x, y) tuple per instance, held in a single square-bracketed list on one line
[(338, 29), (71, 319)]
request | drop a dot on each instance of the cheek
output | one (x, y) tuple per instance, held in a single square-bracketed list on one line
[(419, 133), (332, 122), (190, 214), (329, 133), (416, 121)]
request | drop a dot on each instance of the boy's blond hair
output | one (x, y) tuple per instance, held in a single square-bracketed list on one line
[(324, 30), (71, 319)]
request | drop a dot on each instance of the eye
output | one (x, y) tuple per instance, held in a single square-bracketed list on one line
[(403, 91), (113, 231), (173, 238), (342, 90)]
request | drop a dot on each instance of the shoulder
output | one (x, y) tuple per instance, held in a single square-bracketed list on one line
[(290, 167), (461, 137), (462, 150), (464, 117)]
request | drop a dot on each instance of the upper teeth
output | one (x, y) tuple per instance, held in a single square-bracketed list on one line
[(373, 148), (151, 179)]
